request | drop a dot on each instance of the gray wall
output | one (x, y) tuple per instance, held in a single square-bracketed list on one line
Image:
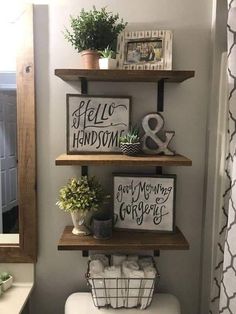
[(58, 274)]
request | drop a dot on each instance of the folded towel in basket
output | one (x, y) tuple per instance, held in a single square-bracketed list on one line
[(114, 286), (148, 286), (133, 282), (98, 289), (118, 259), (101, 257)]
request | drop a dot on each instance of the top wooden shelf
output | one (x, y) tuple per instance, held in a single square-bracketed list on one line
[(124, 75)]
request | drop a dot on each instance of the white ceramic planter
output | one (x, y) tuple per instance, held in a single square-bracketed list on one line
[(78, 222), (7, 284), (107, 63)]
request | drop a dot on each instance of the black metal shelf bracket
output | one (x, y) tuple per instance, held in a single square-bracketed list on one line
[(84, 170), (160, 95), (85, 253), (84, 85)]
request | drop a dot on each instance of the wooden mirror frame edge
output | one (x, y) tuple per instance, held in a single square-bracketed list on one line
[(26, 250)]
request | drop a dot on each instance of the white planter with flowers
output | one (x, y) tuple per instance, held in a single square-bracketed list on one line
[(81, 198)]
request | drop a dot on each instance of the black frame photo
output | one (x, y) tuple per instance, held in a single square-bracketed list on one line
[(144, 202), (95, 123)]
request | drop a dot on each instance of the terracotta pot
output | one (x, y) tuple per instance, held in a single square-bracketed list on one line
[(90, 59)]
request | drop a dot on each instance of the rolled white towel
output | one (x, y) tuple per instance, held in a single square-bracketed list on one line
[(148, 286), (145, 262), (98, 289), (96, 267), (115, 286), (132, 258), (118, 259), (127, 266), (133, 287), (101, 257)]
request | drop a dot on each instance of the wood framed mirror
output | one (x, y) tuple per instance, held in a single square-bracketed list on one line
[(25, 249)]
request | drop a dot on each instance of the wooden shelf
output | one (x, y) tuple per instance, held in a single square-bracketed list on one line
[(124, 240), (124, 75), (120, 159)]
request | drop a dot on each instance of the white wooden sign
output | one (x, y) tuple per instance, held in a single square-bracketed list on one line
[(95, 123), (144, 202)]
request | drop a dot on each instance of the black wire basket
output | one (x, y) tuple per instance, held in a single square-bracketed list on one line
[(122, 292)]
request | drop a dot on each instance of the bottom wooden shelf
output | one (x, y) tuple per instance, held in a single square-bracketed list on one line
[(124, 240)]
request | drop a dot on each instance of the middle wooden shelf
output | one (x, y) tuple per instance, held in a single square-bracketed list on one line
[(120, 159), (124, 240)]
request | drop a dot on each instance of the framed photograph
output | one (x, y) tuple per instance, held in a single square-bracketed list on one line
[(95, 123), (145, 50), (144, 202)]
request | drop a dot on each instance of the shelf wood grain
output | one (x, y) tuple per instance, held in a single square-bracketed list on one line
[(124, 240), (120, 159), (124, 75)]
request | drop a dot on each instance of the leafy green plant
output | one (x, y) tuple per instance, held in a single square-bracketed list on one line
[(83, 194), (131, 137), (107, 53), (94, 30), (4, 276)]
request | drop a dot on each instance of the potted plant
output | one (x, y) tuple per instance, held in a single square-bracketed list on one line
[(92, 31), (81, 197), (107, 59), (7, 280), (130, 142)]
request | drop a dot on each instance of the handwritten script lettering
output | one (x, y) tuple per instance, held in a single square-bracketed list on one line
[(140, 198), (97, 123)]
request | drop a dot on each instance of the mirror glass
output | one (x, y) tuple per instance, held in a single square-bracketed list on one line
[(9, 210)]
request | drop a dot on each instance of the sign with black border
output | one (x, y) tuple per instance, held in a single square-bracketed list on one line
[(95, 123), (144, 202)]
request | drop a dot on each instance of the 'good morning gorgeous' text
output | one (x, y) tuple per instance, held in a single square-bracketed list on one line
[(140, 198)]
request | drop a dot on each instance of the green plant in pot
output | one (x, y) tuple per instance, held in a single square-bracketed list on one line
[(107, 59), (93, 31), (7, 280), (82, 198), (130, 142)]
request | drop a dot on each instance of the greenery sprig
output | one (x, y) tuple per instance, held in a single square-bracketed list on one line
[(83, 194), (94, 30)]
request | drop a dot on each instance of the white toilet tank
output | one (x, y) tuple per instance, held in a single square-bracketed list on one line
[(82, 303)]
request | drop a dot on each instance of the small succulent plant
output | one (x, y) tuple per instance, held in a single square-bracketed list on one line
[(4, 276), (107, 53), (83, 194), (131, 137)]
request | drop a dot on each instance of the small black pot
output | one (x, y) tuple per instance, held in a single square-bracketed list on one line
[(102, 228), (130, 149)]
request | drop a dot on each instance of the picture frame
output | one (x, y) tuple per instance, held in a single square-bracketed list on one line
[(144, 202), (145, 50), (95, 123)]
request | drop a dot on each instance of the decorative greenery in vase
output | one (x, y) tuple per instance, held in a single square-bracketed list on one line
[(94, 30), (79, 197), (130, 142), (83, 194)]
